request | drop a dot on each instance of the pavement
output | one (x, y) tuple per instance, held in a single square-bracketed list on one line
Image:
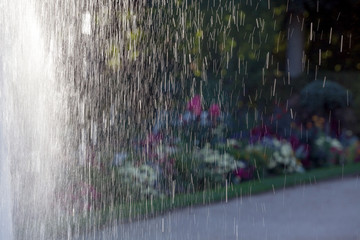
[(320, 211)]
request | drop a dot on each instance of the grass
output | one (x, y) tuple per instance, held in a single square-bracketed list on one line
[(157, 206)]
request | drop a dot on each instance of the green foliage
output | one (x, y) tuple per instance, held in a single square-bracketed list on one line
[(320, 97), (333, 46), (349, 80), (255, 157), (353, 152), (189, 173)]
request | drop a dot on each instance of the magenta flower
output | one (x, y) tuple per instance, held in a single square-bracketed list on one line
[(295, 142), (194, 105), (214, 111), (244, 173)]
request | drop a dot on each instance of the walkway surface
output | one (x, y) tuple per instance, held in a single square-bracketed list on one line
[(322, 211)]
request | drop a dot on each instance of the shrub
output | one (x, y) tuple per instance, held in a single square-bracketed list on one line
[(320, 97)]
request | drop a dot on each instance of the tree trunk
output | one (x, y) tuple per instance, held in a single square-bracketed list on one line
[(295, 46)]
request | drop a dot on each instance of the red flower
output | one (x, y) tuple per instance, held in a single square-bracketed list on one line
[(214, 111), (194, 105)]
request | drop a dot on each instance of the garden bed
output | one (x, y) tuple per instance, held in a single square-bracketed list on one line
[(198, 157)]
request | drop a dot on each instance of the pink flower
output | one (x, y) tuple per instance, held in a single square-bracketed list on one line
[(194, 105), (214, 111)]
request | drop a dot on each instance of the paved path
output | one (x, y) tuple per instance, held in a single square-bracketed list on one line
[(322, 211)]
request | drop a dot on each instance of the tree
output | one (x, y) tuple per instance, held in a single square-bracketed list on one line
[(322, 34)]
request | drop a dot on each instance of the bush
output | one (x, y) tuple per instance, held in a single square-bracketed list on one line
[(319, 97)]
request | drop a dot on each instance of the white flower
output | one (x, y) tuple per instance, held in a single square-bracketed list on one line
[(239, 164), (286, 150), (147, 174), (288, 160), (276, 156), (320, 141), (211, 158), (332, 142), (276, 143), (223, 164), (336, 144), (205, 152), (272, 163), (119, 158), (232, 142)]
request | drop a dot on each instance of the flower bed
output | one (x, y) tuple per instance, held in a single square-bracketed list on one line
[(194, 151)]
